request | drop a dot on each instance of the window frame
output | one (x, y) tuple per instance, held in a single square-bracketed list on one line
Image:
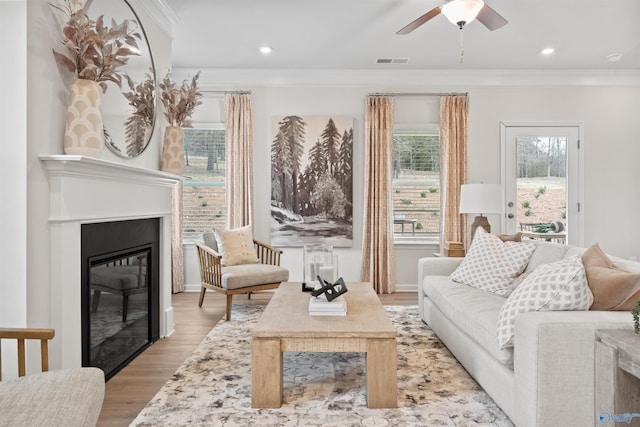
[(409, 128)]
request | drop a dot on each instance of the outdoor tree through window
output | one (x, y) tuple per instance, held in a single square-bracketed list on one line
[(204, 192), (416, 183)]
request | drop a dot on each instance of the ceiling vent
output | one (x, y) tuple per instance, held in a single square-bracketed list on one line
[(392, 60)]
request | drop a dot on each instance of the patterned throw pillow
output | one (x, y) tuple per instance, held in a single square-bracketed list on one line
[(492, 264), (557, 286), (236, 246)]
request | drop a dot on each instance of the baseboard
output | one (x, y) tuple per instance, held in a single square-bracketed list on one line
[(406, 287)]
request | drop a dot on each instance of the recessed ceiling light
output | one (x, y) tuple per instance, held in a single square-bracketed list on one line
[(614, 57), (266, 50), (547, 51)]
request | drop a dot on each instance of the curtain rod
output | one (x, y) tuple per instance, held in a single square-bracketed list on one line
[(418, 94), (228, 92)]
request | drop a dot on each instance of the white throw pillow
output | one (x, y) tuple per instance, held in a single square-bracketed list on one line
[(557, 286), (491, 264), (236, 246)]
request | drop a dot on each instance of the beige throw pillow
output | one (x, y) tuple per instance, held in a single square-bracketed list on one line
[(612, 288), (236, 246)]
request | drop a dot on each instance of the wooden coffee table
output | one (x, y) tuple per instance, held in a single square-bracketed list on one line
[(286, 326)]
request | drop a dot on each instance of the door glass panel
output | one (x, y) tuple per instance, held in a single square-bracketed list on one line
[(541, 182)]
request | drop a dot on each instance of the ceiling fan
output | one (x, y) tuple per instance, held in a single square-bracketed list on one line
[(460, 13)]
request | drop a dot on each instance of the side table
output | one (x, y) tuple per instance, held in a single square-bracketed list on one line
[(617, 360)]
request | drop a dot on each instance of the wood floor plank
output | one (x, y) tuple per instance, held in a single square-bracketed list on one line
[(133, 387)]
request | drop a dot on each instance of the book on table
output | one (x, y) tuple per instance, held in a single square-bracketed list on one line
[(319, 306)]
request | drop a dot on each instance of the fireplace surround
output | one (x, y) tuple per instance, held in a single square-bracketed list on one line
[(85, 190)]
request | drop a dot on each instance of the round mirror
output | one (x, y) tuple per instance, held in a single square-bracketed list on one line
[(129, 113)]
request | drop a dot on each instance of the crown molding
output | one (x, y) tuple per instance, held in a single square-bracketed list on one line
[(243, 78), (160, 12)]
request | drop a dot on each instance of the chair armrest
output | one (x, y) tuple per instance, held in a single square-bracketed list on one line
[(267, 254), (210, 265)]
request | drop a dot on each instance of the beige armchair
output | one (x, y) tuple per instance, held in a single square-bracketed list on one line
[(67, 397), (239, 279)]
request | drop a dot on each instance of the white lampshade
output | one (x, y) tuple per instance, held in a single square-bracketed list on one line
[(463, 11), (481, 198)]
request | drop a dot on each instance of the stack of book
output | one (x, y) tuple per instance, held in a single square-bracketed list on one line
[(319, 306), (454, 249)]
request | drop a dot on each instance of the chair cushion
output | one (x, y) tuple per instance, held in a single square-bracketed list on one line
[(68, 397), (245, 275)]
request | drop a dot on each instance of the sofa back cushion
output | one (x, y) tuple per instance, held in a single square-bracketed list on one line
[(546, 252)]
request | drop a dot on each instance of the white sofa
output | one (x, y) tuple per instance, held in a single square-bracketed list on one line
[(547, 378)]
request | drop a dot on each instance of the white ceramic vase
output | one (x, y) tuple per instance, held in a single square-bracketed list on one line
[(172, 151), (84, 130)]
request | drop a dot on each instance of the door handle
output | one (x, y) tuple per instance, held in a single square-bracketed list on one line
[(510, 216)]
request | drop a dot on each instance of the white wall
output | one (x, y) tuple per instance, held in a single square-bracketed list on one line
[(611, 133), (13, 172), (45, 101)]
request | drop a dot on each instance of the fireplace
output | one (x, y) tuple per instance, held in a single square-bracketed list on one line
[(119, 291), (87, 193)]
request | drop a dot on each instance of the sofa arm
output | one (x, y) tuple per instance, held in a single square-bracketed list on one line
[(554, 365)]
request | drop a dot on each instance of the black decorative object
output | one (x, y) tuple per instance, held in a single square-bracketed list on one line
[(306, 288), (331, 290)]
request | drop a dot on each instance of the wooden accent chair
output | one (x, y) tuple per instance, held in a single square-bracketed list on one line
[(66, 397), (22, 334), (239, 279)]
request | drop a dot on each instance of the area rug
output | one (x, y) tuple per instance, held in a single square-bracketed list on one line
[(213, 386)]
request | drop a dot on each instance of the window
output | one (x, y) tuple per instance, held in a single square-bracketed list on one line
[(416, 183), (204, 192)]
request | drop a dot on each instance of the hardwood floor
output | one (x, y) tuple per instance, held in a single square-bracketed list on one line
[(131, 388)]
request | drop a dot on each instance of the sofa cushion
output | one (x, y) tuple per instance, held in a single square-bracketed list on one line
[(471, 310), (612, 288), (492, 264), (561, 285), (236, 246)]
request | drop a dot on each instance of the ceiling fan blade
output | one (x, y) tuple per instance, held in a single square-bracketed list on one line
[(490, 18), (424, 18)]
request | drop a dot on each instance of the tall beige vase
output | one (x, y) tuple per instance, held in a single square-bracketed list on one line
[(84, 130), (172, 151)]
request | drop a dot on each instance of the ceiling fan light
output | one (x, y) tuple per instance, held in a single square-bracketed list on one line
[(462, 11)]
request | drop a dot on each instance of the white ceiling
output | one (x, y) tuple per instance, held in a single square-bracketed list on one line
[(352, 34)]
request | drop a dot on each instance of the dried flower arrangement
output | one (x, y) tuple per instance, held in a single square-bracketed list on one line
[(142, 98), (179, 102), (96, 51)]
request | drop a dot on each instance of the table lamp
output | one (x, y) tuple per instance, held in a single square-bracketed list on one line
[(480, 199)]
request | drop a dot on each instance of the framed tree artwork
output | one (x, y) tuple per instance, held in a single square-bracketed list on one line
[(312, 181)]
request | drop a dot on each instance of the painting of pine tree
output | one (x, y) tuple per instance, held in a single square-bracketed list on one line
[(312, 181)]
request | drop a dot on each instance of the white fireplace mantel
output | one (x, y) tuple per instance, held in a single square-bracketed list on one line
[(86, 190)]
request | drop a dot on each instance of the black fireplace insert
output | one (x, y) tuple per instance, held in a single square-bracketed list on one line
[(120, 291)]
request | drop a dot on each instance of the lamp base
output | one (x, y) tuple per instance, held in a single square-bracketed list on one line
[(480, 221)]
